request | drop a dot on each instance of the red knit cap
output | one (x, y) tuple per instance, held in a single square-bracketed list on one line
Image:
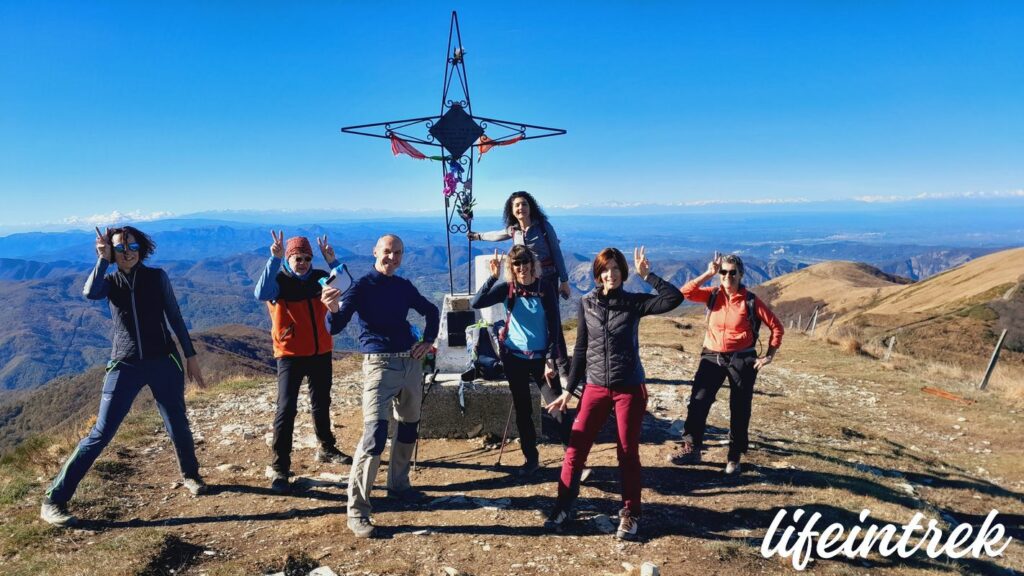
[(297, 245)]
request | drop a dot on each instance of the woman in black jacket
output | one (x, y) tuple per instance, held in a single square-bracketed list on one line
[(529, 338), (607, 351), (142, 303)]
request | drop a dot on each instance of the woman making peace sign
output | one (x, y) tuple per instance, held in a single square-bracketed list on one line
[(529, 338), (607, 352)]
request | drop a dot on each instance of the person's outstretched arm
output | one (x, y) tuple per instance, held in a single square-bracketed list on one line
[(339, 309), (96, 285), (266, 286), (493, 236), (173, 314), (432, 315), (694, 290), (578, 368), (769, 319), (578, 371), (556, 252), (668, 296), (491, 292)]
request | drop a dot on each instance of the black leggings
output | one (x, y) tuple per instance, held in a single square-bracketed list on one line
[(519, 372), (712, 372)]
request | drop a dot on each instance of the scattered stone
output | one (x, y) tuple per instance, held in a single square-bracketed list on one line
[(336, 478), (493, 504), (323, 571), (961, 419), (907, 488), (227, 468), (649, 569), (604, 523), (452, 571)]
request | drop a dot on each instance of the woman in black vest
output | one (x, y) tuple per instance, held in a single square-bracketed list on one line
[(143, 354), (607, 353)]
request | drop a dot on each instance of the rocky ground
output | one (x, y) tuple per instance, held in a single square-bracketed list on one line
[(832, 433)]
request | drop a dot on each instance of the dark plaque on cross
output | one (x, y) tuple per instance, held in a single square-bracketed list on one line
[(461, 138)]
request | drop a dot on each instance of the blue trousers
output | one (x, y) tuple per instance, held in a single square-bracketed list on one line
[(124, 380)]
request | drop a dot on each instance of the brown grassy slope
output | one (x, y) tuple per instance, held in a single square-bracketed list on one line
[(837, 287), (954, 317), (228, 351), (832, 433), (949, 290)]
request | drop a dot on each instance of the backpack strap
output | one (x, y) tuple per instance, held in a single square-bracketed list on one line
[(752, 317)]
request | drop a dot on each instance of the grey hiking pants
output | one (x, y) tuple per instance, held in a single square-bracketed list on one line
[(392, 384)]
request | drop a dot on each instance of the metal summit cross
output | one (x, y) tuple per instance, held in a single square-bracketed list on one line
[(461, 136)]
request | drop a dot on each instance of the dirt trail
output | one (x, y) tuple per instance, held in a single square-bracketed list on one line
[(831, 433)]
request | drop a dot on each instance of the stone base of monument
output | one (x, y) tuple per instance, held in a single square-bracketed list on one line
[(486, 409)]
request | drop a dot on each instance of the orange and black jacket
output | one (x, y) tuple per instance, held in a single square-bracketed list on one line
[(296, 312)]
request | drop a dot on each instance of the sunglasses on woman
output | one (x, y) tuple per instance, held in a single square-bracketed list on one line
[(521, 263), (732, 272), (303, 258), (120, 248)]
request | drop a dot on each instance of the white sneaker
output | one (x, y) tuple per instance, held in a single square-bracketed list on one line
[(56, 514), (195, 486), (733, 468), (628, 526)]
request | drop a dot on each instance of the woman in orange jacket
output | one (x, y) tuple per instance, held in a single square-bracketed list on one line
[(734, 317)]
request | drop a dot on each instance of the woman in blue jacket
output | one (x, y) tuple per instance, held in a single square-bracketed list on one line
[(529, 338), (141, 304)]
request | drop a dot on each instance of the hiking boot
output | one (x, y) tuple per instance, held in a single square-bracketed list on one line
[(56, 513), (685, 453), (558, 520), (408, 496), (331, 455), (360, 526), (195, 486), (279, 483), (629, 525), (529, 469)]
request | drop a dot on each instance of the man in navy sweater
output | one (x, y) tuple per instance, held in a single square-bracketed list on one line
[(391, 366)]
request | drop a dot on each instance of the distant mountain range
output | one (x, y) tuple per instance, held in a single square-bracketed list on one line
[(50, 330)]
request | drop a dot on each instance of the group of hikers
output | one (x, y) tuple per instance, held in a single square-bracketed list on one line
[(306, 310)]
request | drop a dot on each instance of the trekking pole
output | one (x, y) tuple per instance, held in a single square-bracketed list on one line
[(428, 383), (505, 435)]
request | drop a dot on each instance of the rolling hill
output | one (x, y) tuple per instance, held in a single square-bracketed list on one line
[(955, 316)]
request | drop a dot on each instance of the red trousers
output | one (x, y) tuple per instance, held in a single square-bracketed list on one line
[(630, 404)]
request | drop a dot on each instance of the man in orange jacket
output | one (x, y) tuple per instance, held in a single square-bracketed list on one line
[(302, 347), (734, 317)]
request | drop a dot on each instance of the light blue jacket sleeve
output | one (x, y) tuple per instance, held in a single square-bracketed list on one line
[(266, 287)]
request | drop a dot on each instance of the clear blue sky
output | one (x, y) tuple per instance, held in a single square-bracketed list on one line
[(191, 106)]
